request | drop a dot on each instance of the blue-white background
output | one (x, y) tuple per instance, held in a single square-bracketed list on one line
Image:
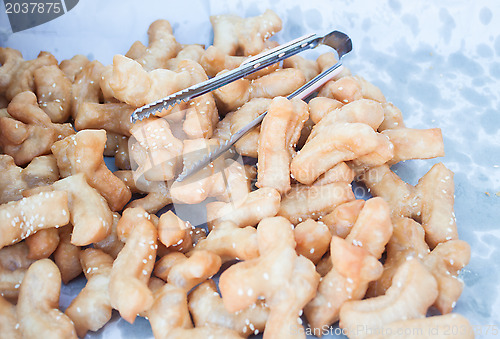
[(438, 61)]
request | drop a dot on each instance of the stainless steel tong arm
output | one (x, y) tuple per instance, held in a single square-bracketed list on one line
[(333, 39), (302, 93)]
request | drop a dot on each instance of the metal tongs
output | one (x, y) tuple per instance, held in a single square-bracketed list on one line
[(337, 40)]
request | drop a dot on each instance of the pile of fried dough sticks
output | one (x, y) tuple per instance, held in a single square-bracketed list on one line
[(293, 240)]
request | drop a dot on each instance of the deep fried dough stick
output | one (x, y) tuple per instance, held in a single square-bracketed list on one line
[(20, 219), (91, 309), (38, 306)]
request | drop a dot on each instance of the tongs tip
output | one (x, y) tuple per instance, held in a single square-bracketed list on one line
[(339, 41)]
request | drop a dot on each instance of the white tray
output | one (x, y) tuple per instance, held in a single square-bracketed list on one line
[(440, 64)]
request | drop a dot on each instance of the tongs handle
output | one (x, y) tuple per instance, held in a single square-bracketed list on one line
[(302, 93), (249, 66)]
